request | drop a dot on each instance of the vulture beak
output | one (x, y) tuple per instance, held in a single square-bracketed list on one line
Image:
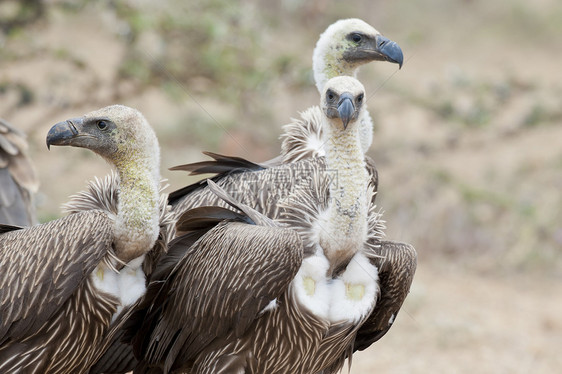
[(346, 108), (389, 50), (63, 132)]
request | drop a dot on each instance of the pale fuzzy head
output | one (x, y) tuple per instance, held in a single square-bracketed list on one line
[(342, 101), (118, 133), (346, 45), (130, 133)]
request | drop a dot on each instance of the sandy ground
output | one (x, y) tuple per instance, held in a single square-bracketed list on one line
[(456, 321)]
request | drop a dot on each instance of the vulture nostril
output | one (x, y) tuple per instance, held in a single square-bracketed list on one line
[(72, 127)]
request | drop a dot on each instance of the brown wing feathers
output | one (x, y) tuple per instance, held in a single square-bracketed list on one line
[(224, 280), (37, 281), (18, 179), (397, 265), (221, 165), (7, 228), (208, 216)]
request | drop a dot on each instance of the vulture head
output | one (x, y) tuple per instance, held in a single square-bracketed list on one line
[(346, 45), (117, 133), (124, 138), (342, 101)]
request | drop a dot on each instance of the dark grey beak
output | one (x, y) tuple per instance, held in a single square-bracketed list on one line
[(63, 133), (390, 50), (346, 108)]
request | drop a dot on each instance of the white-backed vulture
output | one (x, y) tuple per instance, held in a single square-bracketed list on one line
[(18, 179), (297, 296), (341, 50), (59, 287)]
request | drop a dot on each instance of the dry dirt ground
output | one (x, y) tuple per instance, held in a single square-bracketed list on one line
[(456, 321), (468, 144)]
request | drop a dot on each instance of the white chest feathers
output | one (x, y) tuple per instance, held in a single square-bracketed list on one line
[(349, 297), (128, 285)]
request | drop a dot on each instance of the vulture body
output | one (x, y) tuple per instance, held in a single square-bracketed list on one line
[(60, 287), (297, 296), (18, 179)]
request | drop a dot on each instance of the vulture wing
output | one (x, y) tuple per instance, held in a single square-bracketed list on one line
[(218, 287), (18, 180), (43, 265), (397, 265), (115, 355), (221, 165)]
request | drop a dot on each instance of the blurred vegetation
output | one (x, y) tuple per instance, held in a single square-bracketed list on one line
[(16, 14), (221, 48)]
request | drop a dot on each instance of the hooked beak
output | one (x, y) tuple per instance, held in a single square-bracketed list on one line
[(378, 48), (389, 50), (346, 108), (63, 132)]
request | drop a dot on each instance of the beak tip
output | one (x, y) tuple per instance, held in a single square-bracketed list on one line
[(346, 109), (59, 134), (392, 51), (397, 56)]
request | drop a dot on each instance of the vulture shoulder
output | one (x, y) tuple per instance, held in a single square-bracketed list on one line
[(396, 263), (103, 194), (303, 137), (43, 265), (374, 175), (18, 179), (224, 281)]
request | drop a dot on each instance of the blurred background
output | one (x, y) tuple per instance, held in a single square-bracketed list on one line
[(468, 139)]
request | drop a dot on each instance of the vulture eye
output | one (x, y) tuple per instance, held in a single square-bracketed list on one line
[(102, 125), (330, 96), (360, 98), (356, 38)]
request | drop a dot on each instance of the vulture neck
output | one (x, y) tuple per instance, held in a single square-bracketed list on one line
[(327, 63), (137, 223), (346, 216)]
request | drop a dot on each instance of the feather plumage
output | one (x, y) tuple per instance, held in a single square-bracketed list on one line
[(209, 312), (102, 194), (397, 265), (18, 178), (52, 282), (199, 315)]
